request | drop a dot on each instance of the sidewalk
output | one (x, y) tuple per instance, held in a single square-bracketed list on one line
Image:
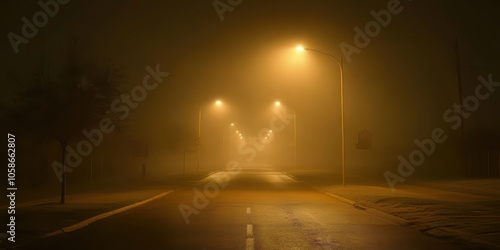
[(466, 212), (36, 218)]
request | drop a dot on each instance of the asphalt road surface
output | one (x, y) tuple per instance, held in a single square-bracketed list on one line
[(254, 208)]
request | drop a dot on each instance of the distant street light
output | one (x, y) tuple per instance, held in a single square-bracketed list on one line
[(217, 103), (232, 138), (225, 150), (301, 48), (278, 104)]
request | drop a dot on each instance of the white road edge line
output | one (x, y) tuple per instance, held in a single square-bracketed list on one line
[(371, 211), (89, 221)]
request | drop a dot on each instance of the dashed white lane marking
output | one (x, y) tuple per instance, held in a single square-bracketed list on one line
[(250, 230), (250, 245), (250, 240)]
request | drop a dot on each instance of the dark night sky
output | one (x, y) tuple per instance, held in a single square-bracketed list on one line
[(398, 87)]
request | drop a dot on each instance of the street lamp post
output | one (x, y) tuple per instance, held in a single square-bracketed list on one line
[(199, 137), (300, 48), (217, 103), (278, 104), (295, 137)]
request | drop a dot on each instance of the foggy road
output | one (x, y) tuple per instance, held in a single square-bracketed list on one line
[(260, 208), (129, 106)]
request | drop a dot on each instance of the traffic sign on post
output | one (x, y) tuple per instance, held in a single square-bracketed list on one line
[(364, 139)]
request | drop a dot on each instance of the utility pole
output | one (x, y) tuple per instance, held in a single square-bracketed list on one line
[(459, 77), (466, 156)]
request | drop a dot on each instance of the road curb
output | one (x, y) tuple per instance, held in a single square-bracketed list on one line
[(374, 212), (211, 173), (91, 220)]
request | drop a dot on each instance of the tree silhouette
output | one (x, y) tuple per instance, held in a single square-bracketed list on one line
[(61, 107)]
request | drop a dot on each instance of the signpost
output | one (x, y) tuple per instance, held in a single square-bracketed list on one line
[(364, 139)]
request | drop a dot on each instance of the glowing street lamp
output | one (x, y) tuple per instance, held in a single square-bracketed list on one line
[(301, 48)]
